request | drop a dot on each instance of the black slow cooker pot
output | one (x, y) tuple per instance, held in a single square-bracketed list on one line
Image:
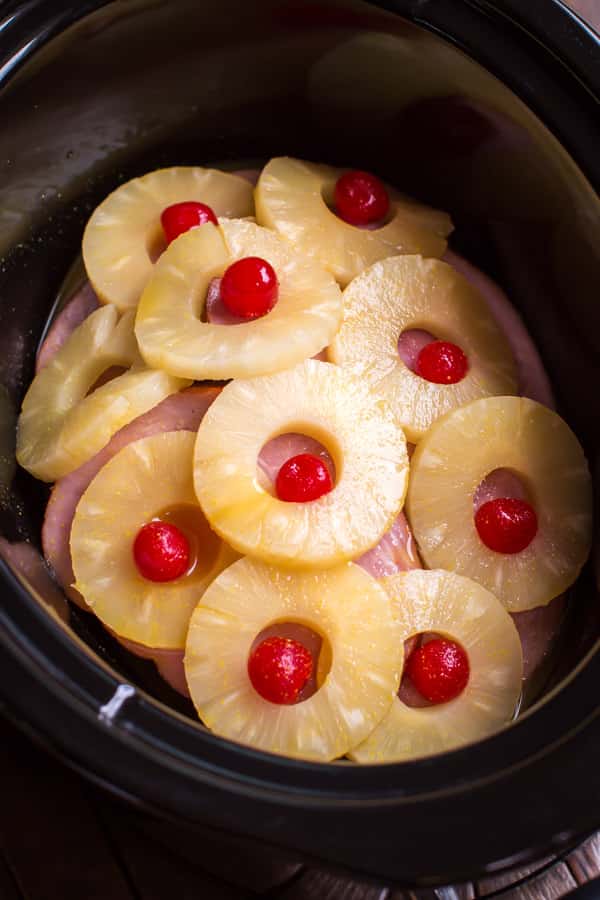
[(486, 108)]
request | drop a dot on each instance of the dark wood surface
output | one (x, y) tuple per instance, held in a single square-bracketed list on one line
[(62, 839)]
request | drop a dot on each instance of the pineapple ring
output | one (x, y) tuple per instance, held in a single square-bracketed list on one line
[(147, 476), (460, 609), (344, 604), (408, 292), (172, 337), (321, 400), (60, 427), (292, 197), (453, 460), (125, 229)]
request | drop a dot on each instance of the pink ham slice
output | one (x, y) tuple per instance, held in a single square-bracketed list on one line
[(182, 411), (279, 449), (533, 380), (27, 561), (77, 309), (395, 552), (168, 662), (410, 344)]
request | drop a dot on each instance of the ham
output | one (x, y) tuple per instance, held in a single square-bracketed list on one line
[(24, 559), (279, 449), (533, 380), (77, 309), (169, 663), (182, 411), (396, 551)]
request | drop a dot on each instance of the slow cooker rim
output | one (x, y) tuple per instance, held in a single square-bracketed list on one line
[(65, 14)]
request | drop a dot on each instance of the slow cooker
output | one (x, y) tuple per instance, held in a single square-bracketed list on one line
[(485, 108)]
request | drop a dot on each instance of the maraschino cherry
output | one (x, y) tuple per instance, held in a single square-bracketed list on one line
[(161, 552), (180, 217), (442, 362), (360, 198), (279, 668), (439, 670), (303, 478), (507, 524), (249, 287)]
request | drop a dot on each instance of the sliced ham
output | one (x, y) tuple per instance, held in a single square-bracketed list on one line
[(279, 449), (533, 380), (395, 552), (539, 629), (410, 344), (216, 311), (27, 561), (169, 663), (77, 309), (182, 411)]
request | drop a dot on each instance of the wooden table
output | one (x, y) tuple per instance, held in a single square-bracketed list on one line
[(62, 839)]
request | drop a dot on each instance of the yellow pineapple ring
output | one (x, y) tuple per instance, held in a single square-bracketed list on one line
[(124, 232), (346, 606), (408, 292), (459, 609), (293, 197), (148, 478), (172, 336), (324, 402), (60, 427), (454, 458)]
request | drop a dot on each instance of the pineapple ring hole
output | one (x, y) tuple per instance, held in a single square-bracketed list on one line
[(407, 692), (156, 242), (500, 483), (203, 542), (108, 375), (213, 310), (317, 644), (327, 197), (410, 344), (284, 446)]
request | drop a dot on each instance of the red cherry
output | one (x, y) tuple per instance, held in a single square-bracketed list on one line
[(161, 552), (360, 198), (442, 362), (180, 217), (249, 287), (302, 478), (279, 668), (507, 524), (439, 670)]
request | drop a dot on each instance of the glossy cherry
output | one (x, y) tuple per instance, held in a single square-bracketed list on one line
[(279, 668), (507, 524), (439, 670), (360, 198), (180, 217), (249, 287), (161, 552), (302, 478), (442, 362)]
